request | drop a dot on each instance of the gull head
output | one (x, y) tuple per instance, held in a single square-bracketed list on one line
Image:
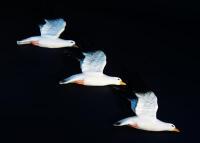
[(171, 127), (71, 43), (118, 81)]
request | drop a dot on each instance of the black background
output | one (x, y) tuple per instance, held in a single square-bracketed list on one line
[(150, 44)]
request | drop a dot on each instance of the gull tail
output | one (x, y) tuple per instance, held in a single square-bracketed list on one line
[(25, 41), (71, 79), (126, 121), (119, 123), (65, 81)]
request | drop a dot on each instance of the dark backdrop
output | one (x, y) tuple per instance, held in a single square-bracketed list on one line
[(150, 44)]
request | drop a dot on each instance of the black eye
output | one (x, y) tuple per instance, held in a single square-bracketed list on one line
[(173, 126)]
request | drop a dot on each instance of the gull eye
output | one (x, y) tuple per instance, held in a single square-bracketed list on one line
[(173, 126)]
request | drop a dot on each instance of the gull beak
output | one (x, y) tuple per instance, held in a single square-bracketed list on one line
[(122, 83), (75, 46), (176, 130)]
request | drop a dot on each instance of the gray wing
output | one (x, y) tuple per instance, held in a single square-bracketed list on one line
[(52, 28), (93, 62), (147, 105)]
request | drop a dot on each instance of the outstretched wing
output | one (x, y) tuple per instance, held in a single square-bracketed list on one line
[(147, 105), (52, 28), (93, 62)]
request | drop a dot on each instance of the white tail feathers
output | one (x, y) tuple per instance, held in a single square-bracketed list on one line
[(62, 82), (19, 43), (65, 81), (126, 121), (28, 40), (118, 124), (23, 42)]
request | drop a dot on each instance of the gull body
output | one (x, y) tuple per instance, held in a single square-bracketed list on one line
[(147, 124), (145, 119), (92, 72), (92, 79), (47, 42), (49, 38)]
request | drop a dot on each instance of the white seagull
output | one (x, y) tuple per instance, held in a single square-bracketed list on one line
[(146, 107), (49, 38), (92, 67)]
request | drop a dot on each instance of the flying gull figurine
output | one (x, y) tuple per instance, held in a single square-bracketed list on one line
[(49, 37), (92, 67), (145, 108)]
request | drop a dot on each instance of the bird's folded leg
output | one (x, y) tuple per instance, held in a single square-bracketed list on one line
[(36, 43), (79, 82), (133, 126)]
